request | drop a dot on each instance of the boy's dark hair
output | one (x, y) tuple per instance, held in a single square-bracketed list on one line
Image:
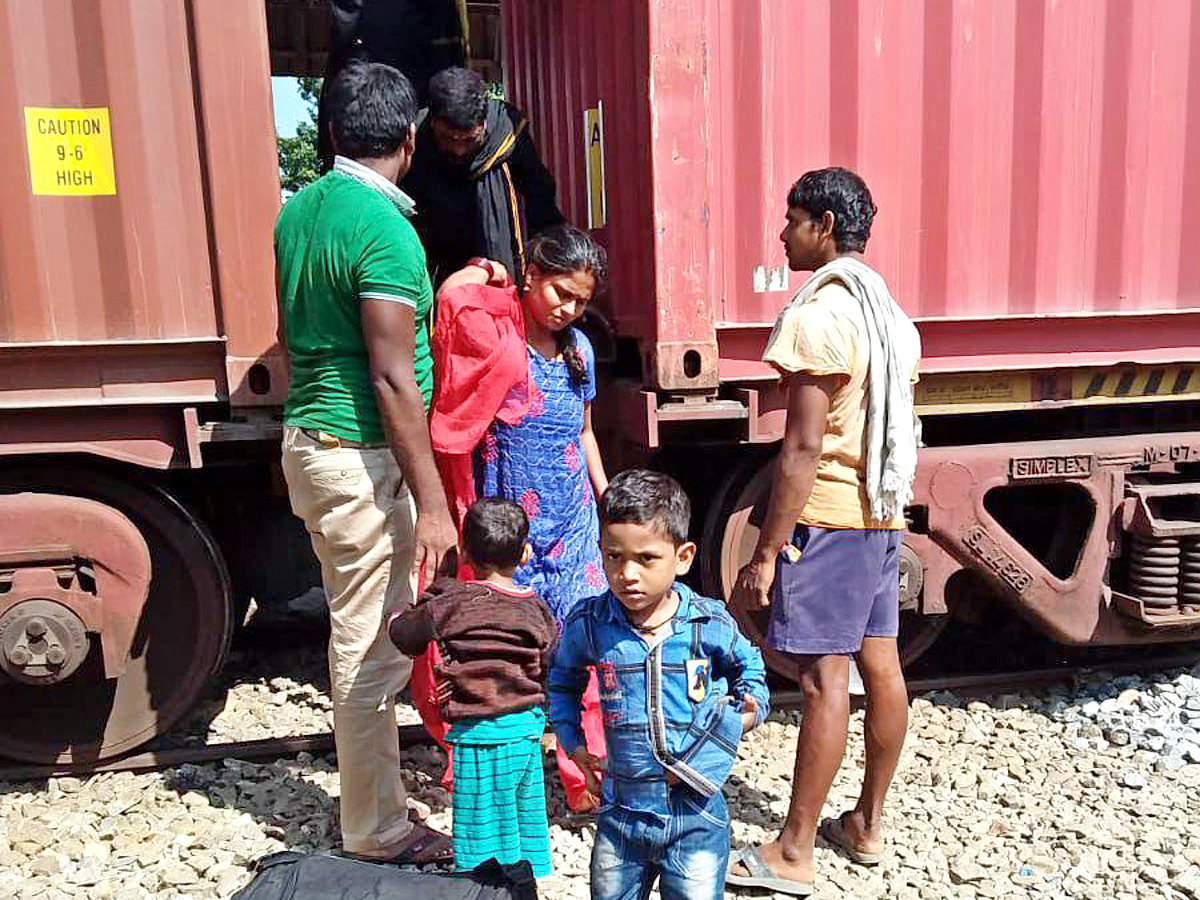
[(371, 107), (642, 497), (842, 193), (459, 96), (494, 533)]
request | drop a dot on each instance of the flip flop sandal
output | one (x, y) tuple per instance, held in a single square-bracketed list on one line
[(762, 876), (834, 831)]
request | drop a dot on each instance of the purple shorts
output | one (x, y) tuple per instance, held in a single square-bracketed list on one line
[(844, 587)]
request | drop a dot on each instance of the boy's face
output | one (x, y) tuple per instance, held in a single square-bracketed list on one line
[(641, 563)]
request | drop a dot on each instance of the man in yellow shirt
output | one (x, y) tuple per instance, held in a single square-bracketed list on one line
[(826, 563)]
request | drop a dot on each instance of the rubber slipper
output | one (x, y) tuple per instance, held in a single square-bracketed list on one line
[(762, 876), (423, 846), (834, 831)]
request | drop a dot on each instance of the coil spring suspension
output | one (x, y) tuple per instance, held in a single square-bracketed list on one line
[(1154, 569), (1189, 574)]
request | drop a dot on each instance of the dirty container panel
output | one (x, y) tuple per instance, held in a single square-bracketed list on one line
[(1029, 160), (129, 261), (1026, 158)]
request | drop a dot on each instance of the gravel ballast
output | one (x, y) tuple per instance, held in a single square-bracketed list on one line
[(1059, 792)]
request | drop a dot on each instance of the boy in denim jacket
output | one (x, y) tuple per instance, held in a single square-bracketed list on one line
[(679, 686)]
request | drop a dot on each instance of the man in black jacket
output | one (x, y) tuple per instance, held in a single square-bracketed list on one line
[(418, 37), (478, 183)]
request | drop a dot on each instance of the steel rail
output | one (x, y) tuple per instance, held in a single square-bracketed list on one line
[(415, 735), (150, 760)]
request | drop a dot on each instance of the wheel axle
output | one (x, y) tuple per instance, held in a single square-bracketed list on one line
[(41, 642)]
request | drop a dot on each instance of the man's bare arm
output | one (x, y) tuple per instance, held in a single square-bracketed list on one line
[(389, 333), (796, 469)]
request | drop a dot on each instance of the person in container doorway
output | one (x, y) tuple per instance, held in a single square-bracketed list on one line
[(680, 685), (826, 561), (496, 639), (417, 37), (479, 185), (512, 418), (354, 303)]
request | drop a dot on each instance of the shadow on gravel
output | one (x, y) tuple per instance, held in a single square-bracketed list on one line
[(750, 805), (269, 671), (276, 684), (298, 812), (294, 799)]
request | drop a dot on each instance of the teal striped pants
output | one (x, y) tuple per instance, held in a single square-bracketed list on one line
[(500, 805)]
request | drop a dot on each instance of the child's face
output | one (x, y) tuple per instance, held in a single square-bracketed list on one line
[(641, 563)]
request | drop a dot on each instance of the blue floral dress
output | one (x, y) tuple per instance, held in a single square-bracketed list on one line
[(540, 464)]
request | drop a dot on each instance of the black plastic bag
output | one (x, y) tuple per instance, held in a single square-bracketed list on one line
[(305, 876)]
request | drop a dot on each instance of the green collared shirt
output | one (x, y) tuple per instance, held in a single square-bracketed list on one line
[(342, 240)]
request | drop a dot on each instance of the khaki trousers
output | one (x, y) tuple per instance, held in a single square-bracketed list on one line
[(360, 516)]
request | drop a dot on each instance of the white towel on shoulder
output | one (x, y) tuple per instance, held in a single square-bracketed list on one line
[(893, 431)]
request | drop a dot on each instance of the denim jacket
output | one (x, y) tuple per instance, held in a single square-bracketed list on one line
[(673, 707)]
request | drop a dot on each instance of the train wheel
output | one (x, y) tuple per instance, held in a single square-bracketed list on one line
[(729, 538), (180, 643)]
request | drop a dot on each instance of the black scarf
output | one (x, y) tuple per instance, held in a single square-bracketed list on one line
[(483, 189), (499, 209)]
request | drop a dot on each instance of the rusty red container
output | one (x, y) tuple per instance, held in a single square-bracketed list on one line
[(1035, 166), (136, 264)]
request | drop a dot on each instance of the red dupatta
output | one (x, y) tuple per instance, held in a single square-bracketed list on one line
[(481, 374)]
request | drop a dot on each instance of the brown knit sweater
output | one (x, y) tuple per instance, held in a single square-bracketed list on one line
[(495, 646)]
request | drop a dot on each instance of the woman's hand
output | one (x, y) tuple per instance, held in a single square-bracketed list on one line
[(500, 276), (493, 273), (592, 768)]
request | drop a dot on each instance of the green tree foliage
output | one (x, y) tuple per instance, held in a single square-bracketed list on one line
[(298, 162)]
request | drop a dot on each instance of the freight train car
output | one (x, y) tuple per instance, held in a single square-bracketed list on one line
[(139, 379), (1035, 166), (1031, 162)]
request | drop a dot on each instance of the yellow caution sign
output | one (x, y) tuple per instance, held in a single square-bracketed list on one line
[(940, 390), (593, 144), (70, 151)]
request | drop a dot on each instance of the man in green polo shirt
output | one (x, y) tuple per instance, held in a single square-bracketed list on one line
[(354, 305)]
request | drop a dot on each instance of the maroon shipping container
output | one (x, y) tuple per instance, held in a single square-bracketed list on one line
[(1033, 165), (160, 289), (137, 333)]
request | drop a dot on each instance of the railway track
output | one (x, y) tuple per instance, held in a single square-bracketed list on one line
[(412, 735)]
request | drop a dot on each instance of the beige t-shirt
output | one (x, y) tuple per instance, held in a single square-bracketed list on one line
[(827, 336)]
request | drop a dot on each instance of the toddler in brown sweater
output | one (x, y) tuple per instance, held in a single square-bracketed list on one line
[(495, 640)]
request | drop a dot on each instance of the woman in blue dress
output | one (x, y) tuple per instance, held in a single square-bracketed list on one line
[(549, 462)]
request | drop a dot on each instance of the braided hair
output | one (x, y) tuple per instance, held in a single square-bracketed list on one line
[(565, 250)]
